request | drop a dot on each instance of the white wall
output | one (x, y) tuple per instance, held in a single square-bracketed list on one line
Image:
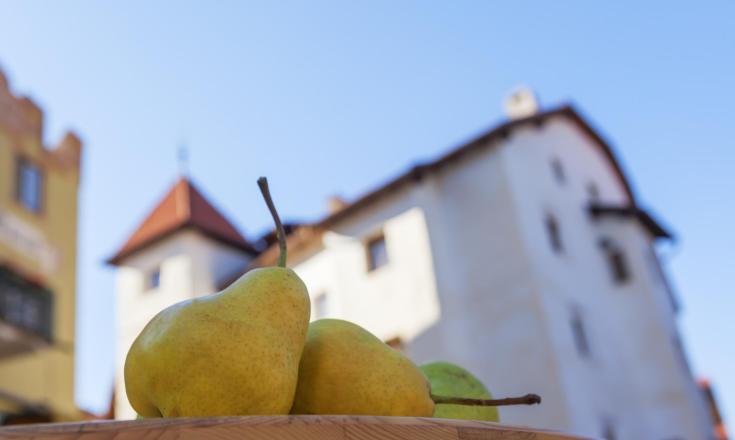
[(492, 320), (191, 265), (632, 379), (396, 300), (497, 300), (464, 295)]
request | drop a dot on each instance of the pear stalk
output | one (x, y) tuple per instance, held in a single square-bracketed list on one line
[(280, 232), (528, 399)]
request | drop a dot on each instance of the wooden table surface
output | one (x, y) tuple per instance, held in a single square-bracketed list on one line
[(283, 427)]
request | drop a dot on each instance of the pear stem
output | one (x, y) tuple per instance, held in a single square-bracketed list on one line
[(528, 399), (280, 232)]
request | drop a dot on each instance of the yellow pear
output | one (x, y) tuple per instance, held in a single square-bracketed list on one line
[(347, 370), (232, 353)]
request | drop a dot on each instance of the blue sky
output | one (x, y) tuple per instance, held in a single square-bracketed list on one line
[(335, 97)]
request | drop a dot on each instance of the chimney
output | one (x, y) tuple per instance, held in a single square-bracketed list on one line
[(335, 204), (521, 103)]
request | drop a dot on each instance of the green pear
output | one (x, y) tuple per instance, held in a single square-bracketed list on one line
[(452, 380), (235, 352), (347, 370)]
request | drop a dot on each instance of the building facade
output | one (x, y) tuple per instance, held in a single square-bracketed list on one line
[(38, 247), (523, 256)]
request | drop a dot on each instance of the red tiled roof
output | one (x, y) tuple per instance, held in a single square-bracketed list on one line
[(183, 207)]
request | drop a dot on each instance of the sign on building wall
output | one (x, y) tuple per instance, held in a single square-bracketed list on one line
[(27, 240)]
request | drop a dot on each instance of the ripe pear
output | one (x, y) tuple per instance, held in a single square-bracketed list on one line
[(232, 353), (452, 380), (347, 370)]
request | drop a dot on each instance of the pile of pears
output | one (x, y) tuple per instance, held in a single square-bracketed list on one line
[(250, 350)]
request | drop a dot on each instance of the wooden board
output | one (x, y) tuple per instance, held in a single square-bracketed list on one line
[(283, 427)]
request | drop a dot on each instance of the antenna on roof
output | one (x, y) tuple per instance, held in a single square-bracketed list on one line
[(183, 159)]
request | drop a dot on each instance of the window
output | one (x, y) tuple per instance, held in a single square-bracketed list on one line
[(558, 170), (616, 261), (154, 279), (608, 431), (593, 191), (552, 231), (29, 185), (377, 252), (25, 305), (320, 308), (579, 333)]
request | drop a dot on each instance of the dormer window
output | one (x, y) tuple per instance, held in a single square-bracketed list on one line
[(377, 252), (29, 185)]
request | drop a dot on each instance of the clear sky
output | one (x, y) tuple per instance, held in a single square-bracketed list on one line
[(335, 97)]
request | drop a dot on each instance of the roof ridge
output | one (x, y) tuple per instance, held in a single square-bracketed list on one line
[(183, 198), (183, 206), (486, 139)]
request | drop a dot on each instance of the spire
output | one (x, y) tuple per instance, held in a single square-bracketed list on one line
[(182, 156)]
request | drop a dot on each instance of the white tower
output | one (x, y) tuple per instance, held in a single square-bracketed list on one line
[(183, 249)]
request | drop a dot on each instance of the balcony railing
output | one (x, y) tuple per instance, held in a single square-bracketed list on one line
[(25, 314)]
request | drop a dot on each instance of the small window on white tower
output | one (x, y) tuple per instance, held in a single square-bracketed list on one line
[(320, 306), (154, 279), (553, 233), (579, 333), (558, 170), (616, 261), (377, 252)]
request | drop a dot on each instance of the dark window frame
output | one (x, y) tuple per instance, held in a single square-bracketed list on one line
[(579, 334), (617, 261), (153, 279), (21, 162), (553, 233), (16, 291), (372, 263), (593, 191), (558, 171), (608, 429)]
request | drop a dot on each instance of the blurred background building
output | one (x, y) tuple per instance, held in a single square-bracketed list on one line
[(38, 246), (522, 255)]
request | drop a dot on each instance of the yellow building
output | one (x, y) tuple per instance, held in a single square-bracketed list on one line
[(38, 250)]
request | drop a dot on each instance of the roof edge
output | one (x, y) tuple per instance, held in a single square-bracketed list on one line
[(499, 132), (117, 259), (654, 227)]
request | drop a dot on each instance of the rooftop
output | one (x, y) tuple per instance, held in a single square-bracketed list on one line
[(184, 207)]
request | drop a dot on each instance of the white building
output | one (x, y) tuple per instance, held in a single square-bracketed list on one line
[(522, 255)]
